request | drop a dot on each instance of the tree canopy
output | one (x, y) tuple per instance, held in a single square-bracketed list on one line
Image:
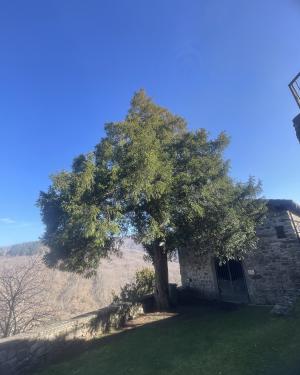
[(152, 178)]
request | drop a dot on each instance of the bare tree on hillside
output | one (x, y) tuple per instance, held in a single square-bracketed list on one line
[(23, 301)]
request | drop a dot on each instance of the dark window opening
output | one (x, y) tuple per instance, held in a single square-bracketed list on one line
[(280, 231)]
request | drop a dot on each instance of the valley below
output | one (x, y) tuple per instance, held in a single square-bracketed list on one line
[(70, 294)]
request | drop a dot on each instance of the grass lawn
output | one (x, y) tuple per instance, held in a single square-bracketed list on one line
[(202, 341)]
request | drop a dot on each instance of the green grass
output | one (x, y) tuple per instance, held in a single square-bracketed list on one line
[(203, 341)]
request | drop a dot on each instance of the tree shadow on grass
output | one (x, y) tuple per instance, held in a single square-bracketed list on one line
[(23, 354), (38, 354)]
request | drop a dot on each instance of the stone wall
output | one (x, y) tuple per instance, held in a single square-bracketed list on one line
[(22, 353), (197, 272), (272, 271)]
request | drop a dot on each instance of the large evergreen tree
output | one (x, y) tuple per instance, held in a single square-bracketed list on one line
[(151, 178)]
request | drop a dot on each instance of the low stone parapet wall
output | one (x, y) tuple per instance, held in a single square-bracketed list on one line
[(20, 354)]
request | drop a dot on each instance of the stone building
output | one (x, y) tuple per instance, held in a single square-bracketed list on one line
[(265, 276)]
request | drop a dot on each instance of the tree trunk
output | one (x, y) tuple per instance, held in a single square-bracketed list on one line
[(160, 262)]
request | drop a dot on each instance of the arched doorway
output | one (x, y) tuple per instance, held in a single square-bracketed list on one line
[(231, 281)]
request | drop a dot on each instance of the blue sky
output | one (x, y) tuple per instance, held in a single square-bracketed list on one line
[(69, 66)]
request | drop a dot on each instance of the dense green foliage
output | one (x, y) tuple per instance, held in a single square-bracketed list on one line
[(152, 178), (204, 341), (81, 222), (142, 285)]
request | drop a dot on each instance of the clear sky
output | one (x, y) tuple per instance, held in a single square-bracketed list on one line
[(69, 66)]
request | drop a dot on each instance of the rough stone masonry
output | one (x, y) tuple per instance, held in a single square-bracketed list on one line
[(271, 273)]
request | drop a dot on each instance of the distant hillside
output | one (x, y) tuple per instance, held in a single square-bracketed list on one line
[(25, 248), (71, 294), (36, 247)]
